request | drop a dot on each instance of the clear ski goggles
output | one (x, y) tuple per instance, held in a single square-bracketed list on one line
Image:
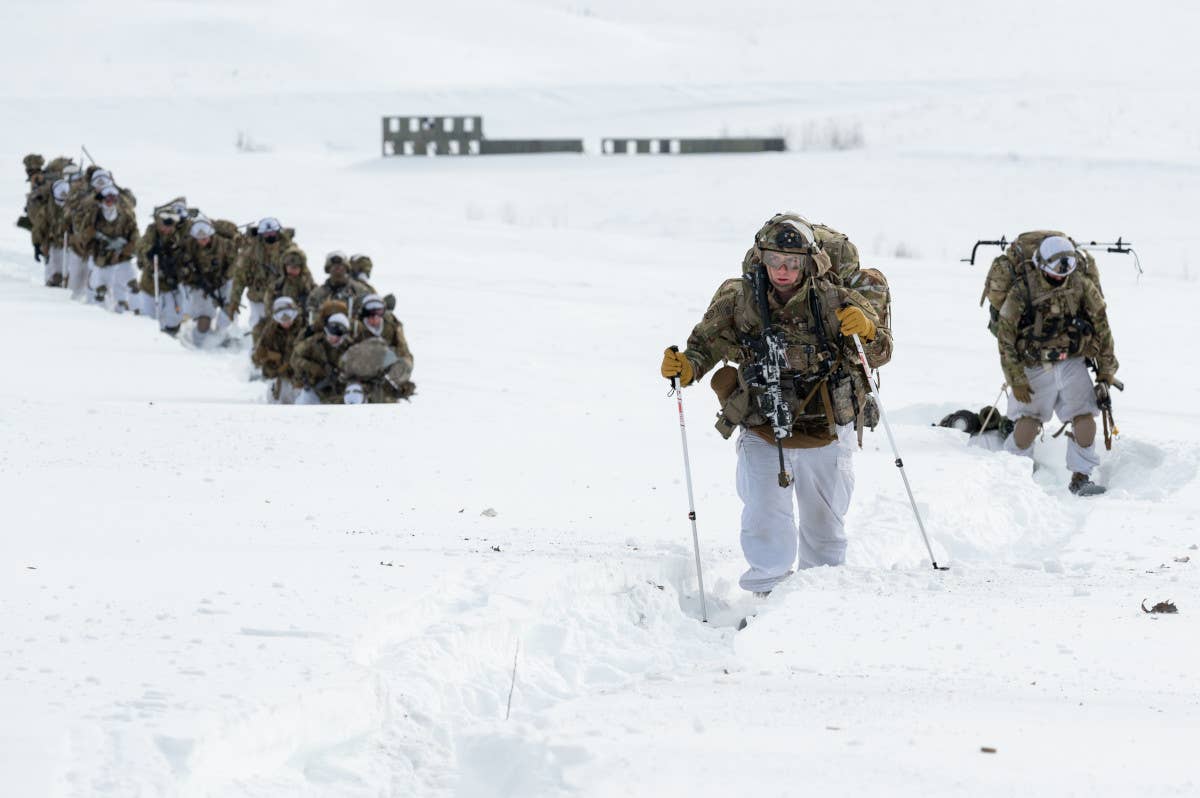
[(336, 329), (285, 315), (791, 261), (1060, 264)]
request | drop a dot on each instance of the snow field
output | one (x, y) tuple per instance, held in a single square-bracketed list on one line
[(205, 595)]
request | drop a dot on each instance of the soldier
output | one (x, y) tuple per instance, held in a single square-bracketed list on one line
[(56, 228), (378, 323), (273, 352), (210, 258), (813, 315), (314, 360), (258, 265), (160, 254), (1050, 321), (296, 282), (36, 200), (109, 237), (360, 269), (79, 203), (338, 286)]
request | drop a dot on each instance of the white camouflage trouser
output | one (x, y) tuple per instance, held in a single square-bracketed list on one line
[(114, 280), (288, 393), (1063, 388), (171, 307), (77, 274), (54, 263), (823, 483)]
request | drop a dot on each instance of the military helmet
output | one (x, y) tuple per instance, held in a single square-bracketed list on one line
[(33, 163), (1057, 256), (60, 189), (334, 258), (57, 165), (787, 232), (361, 264), (202, 228)]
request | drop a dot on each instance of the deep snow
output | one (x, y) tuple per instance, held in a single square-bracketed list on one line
[(208, 595)]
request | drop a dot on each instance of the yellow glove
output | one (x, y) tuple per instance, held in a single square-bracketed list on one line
[(855, 322), (674, 365), (1022, 393)]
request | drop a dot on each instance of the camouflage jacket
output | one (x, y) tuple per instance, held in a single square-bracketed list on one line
[(208, 268), (298, 288), (273, 352), (1040, 322), (314, 363), (38, 208), (169, 249), (108, 242), (823, 383), (347, 291), (258, 265), (58, 224)]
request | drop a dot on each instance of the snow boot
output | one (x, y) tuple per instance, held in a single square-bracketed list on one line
[(1082, 485)]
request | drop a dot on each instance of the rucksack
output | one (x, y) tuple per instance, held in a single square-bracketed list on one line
[(1013, 265)]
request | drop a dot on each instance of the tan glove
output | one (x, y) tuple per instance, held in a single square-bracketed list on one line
[(1022, 393), (855, 322), (674, 364)]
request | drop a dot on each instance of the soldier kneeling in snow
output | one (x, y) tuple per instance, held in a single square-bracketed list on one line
[(315, 360), (379, 361)]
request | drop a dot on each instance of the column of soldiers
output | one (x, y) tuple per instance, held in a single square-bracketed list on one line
[(333, 343)]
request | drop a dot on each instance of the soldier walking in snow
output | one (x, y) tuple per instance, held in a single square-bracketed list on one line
[(812, 314), (109, 234), (1052, 320), (259, 264)]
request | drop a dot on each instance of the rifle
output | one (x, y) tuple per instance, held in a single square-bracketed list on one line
[(770, 358), (1104, 402)]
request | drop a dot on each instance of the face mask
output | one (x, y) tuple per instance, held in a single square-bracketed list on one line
[(109, 211)]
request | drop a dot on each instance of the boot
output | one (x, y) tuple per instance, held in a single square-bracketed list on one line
[(55, 280), (1082, 485)]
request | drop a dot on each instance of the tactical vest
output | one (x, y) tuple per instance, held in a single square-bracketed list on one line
[(823, 387), (1055, 325)]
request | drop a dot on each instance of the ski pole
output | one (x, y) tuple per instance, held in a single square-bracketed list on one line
[(992, 411), (157, 308), (687, 471), (862, 357)]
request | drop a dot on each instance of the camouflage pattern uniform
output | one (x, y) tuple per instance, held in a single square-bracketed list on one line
[(273, 354), (55, 235), (109, 246), (823, 384), (314, 364), (299, 288), (1046, 331), (383, 390), (342, 288), (259, 264), (169, 248), (207, 273)]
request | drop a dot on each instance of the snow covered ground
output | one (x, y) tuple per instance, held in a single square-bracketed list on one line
[(205, 595)]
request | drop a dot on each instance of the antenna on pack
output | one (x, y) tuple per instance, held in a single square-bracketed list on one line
[(1002, 243), (1120, 247)]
